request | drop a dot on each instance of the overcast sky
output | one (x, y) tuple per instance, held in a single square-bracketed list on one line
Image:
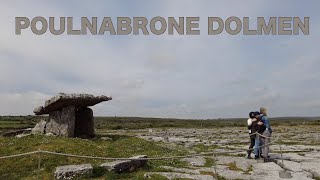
[(163, 76)]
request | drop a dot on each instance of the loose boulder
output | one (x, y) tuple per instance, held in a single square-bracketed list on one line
[(73, 171), (125, 165)]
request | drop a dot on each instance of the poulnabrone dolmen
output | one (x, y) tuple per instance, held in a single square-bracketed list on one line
[(69, 115)]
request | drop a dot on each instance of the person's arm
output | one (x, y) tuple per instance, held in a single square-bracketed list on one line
[(266, 123), (249, 124)]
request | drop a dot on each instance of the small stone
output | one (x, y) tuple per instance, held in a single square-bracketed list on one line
[(49, 134), (22, 135), (106, 138)]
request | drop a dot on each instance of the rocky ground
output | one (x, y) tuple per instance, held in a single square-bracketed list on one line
[(300, 146)]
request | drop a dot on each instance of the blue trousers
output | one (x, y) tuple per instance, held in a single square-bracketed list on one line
[(257, 143)]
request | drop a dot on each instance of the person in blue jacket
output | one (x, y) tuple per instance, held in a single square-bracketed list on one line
[(266, 138)]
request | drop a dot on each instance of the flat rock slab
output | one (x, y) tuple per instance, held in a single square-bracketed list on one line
[(180, 170), (240, 162), (73, 171), (125, 165), (63, 100), (225, 172), (312, 167), (271, 170), (267, 171), (173, 175), (15, 132)]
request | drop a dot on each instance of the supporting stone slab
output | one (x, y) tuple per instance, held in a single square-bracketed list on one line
[(84, 125), (62, 123), (40, 128)]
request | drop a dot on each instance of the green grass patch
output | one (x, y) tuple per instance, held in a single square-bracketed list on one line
[(233, 167), (209, 162), (203, 148), (212, 174), (158, 177), (120, 146)]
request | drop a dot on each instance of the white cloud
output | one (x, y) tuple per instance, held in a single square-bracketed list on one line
[(24, 103)]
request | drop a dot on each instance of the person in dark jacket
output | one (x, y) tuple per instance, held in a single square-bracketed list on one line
[(252, 121), (259, 128)]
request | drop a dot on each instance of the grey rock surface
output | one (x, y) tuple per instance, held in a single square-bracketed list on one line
[(63, 100), (267, 171), (181, 170), (73, 171), (312, 167), (225, 172), (195, 161), (301, 152), (240, 162), (174, 175)]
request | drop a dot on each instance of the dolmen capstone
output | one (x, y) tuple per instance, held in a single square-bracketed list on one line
[(69, 115)]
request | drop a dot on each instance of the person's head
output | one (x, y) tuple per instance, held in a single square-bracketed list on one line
[(256, 114), (263, 111), (251, 115)]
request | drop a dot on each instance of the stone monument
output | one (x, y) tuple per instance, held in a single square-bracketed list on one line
[(69, 115)]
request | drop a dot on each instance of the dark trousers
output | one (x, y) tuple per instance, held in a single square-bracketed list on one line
[(252, 141)]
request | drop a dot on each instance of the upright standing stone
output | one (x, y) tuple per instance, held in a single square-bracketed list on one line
[(62, 123), (39, 128), (84, 123)]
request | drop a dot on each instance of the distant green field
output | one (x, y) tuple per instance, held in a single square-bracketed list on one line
[(141, 123), (18, 122)]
